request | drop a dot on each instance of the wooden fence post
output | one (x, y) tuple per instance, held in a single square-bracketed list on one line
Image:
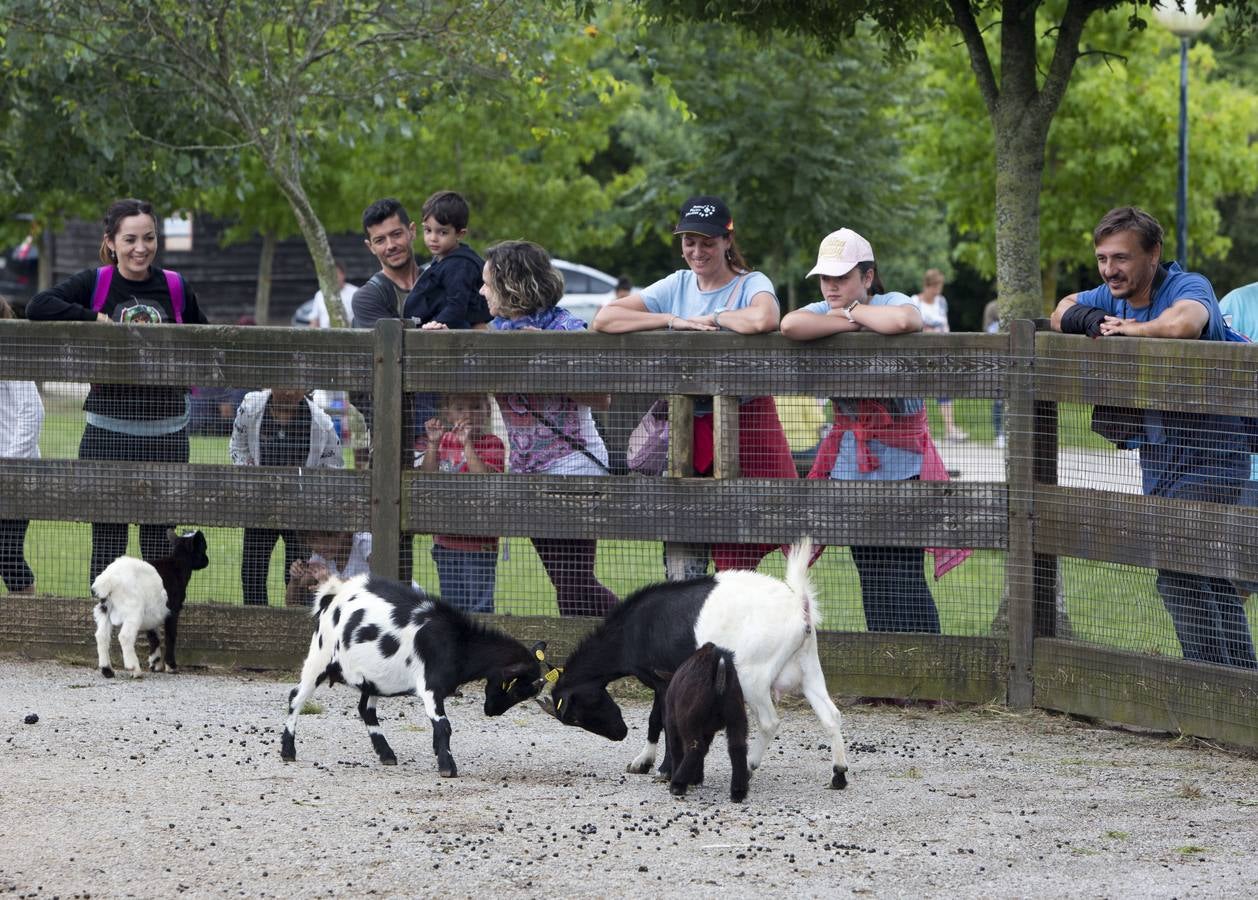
[(681, 432), (1020, 439), (386, 449), (725, 461)]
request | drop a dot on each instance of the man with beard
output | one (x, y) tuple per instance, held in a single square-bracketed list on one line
[(389, 235), (1186, 456)]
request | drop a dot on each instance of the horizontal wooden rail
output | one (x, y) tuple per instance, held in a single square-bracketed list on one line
[(858, 365), (916, 666), (1206, 538), (205, 355), (746, 510), (1192, 376), (1172, 695), (90, 491)]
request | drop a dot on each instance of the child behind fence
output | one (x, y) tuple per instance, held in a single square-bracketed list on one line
[(459, 441)]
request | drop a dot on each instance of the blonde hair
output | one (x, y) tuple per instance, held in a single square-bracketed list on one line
[(933, 277), (522, 278)]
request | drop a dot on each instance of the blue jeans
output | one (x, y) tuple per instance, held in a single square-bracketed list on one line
[(894, 590), (467, 577), (1249, 497), (1209, 618)]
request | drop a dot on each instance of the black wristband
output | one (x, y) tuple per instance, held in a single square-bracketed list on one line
[(1082, 320)]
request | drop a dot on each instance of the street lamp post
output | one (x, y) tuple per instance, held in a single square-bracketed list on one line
[(1185, 24)]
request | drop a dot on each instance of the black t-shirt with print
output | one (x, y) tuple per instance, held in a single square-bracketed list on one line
[(137, 302)]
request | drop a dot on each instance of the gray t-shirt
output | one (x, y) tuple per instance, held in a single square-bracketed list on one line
[(378, 299)]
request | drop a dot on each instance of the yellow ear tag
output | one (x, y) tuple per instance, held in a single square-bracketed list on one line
[(552, 676), (541, 657)]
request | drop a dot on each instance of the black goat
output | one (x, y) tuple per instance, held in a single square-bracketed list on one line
[(703, 697), (769, 624)]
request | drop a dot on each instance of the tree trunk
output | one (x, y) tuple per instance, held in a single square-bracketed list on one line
[(284, 165), (266, 264), (1020, 145), (48, 246)]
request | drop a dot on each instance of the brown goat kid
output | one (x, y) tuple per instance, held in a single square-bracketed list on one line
[(703, 697)]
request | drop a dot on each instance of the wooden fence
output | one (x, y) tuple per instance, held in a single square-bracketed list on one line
[(1028, 516)]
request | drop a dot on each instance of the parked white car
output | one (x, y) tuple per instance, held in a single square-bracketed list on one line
[(585, 290)]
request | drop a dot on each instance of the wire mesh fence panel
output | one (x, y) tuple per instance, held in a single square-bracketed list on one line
[(141, 449), (1151, 521), (544, 474)]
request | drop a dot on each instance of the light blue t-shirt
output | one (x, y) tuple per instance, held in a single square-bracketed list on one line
[(897, 464), (1240, 310), (679, 294)]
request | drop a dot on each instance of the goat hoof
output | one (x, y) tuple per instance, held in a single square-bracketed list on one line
[(677, 789), (107, 671), (288, 757), (663, 776), (388, 760), (635, 768), (738, 796), (451, 772), (839, 781)]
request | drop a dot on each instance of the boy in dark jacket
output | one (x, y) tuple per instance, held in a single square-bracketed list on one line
[(447, 294)]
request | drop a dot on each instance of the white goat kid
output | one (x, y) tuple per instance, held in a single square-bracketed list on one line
[(130, 594)]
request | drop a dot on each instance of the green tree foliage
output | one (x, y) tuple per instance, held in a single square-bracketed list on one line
[(68, 125), (1113, 142), (512, 130), (799, 143), (275, 77), (1021, 89)]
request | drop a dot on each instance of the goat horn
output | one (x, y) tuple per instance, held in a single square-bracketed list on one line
[(547, 704)]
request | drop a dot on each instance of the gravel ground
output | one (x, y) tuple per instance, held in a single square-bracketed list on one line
[(173, 785)]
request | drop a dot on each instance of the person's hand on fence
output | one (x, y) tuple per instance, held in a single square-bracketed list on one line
[(434, 428), (698, 323), (1114, 325)]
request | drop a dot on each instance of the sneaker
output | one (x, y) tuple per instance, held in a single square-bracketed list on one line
[(959, 436), (1000, 442)]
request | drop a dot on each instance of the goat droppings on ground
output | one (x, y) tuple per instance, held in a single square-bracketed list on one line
[(31, 719)]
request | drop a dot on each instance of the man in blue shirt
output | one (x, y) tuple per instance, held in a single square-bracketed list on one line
[(1187, 456)]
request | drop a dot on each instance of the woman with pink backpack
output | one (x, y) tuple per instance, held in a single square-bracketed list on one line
[(127, 423)]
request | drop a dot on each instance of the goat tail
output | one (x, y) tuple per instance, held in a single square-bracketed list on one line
[(718, 683), (797, 579)]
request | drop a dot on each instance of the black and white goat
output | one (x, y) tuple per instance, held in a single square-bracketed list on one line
[(703, 697), (769, 625), (138, 596), (386, 639)]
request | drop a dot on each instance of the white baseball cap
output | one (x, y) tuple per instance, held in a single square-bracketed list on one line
[(839, 253)]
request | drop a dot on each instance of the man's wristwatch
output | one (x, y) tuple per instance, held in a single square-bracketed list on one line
[(847, 310)]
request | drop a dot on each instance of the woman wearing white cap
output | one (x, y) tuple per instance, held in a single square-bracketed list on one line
[(874, 440), (717, 291)]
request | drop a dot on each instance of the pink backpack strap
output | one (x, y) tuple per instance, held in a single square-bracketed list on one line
[(104, 275), (174, 284)]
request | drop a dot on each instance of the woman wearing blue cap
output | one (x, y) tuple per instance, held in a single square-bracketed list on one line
[(717, 291)]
